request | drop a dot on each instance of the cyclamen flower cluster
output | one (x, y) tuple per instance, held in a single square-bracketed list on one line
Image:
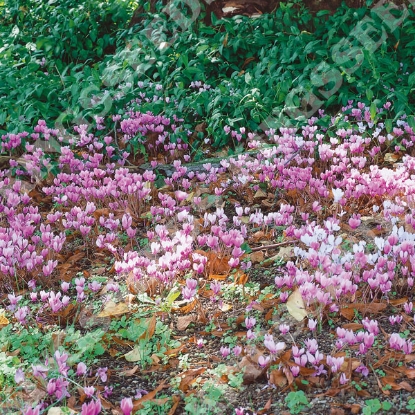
[(103, 201)]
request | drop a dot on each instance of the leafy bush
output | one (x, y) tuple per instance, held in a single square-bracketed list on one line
[(44, 47), (239, 72)]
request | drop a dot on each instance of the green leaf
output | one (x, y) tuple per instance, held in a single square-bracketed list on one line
[(373, 111), (246, 248), (369, 94), (411, 122), (388, 125)]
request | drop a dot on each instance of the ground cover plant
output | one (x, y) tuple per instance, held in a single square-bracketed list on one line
[(237, 72), (276, 277)]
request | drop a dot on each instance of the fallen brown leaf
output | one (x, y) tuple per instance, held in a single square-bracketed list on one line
[(176, 401), (336, 411), (113, 309), (278, 378), (189, 377), (184, 321), (151, 326), (295, 305), (129, 372)]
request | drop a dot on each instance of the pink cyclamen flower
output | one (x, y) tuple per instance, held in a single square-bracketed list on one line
[(94, 286), (395, 319), (263, 361), (39, 371), (81, 369), (91, 408), (363, 370), (61, 359), (343, 379), (139, 394), (21, 314), (14, 300), (371, 326), (51, 387), (102, 373), (225, 351), (284, 328), (32, 411), (239, 411), (273, 347), (250, 322), (126, 406), (295, 370), (284, 296), (312, 324), (215, 286), (408, 307), (188, 293), (200, 343), (89, 391), (354, 221), (107, 391), (237, 350), (335, 363), (250, 335)]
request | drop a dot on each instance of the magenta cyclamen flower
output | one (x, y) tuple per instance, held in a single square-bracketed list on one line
[(295, 370), (408, 307), (200, 343), (91, 408), (32, 411), (126, 406), (354, 221), (107, 392), (395, 319)]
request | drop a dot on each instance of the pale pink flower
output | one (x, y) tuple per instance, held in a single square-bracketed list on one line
[(312, 324), (19, 376), (81, 369), (225, 351), (250, 322), (263, 361)]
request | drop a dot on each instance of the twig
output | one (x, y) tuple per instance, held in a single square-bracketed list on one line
[(259, 248)]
